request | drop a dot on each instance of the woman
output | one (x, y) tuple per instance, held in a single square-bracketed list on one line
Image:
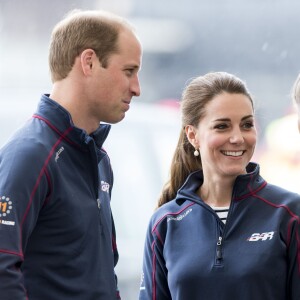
[(221, 231)]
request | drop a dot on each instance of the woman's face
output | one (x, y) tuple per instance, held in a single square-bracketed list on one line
[(225, 136)]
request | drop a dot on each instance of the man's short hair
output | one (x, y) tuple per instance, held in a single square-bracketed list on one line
[(80, 30)]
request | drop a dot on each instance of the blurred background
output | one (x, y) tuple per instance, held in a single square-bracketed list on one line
[(256, 40)]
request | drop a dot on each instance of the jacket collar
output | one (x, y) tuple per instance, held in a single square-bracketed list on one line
[(244, 185), (59, 119)]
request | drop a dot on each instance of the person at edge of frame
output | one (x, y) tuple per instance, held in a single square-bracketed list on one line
[(57, 234), (221, 231), (296, 97)]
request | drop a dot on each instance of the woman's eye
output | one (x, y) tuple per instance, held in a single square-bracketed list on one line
[(248, 125), (221, 126)]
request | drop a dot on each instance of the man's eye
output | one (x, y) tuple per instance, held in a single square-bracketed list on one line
[(129, 72)]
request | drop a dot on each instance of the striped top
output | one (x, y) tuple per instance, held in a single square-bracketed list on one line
[(222, 212)]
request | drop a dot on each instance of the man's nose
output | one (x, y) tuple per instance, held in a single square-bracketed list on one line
[(135, 87)]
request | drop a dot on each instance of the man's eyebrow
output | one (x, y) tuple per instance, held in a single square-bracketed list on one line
[(133, 66)]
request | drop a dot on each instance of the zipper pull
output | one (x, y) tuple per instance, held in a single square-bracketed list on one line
[(99, 203), (219, 248)]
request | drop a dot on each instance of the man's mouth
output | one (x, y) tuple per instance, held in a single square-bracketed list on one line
[(127, 101)]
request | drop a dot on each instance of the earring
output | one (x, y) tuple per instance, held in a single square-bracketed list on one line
[(196, 152)]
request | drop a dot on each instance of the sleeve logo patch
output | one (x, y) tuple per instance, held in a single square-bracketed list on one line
[(104, 186), (6, 207)]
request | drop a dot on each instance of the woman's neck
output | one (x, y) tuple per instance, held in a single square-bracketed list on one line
[(216, 193)]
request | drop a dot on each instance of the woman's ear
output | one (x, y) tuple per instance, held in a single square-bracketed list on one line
[(191, 134), (86, 59)]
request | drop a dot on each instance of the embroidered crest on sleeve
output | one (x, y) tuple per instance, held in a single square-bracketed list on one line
[(6, 206)]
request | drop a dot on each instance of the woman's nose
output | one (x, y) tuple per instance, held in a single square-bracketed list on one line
[(236, 137)]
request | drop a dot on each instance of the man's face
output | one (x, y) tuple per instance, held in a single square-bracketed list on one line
[(113, 87)]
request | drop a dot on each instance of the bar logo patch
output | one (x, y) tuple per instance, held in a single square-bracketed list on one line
[(255, 237)]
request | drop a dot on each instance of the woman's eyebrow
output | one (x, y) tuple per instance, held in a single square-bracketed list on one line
[(228, 119)]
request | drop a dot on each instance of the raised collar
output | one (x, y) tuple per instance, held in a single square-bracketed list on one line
[(244, 186), (60, 120)]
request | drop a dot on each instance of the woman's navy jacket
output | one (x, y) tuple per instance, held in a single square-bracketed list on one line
[(191, 254)]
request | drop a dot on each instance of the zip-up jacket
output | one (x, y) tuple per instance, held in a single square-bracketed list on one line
[(190, 254), (57, 236)]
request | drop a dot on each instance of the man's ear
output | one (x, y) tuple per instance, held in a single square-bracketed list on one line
[(191, 134), (87, 59)]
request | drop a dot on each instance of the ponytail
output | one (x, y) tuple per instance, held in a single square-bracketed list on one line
[(183, 163)]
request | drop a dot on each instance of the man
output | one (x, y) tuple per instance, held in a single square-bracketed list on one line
[(57, 235)]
